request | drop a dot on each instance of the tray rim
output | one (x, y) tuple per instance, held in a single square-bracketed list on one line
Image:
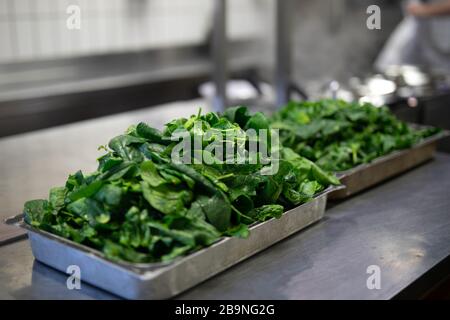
[(152, 267), (395, 153)]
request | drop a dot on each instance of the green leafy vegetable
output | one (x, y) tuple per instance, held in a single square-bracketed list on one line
[(337, 135), (141, 205)]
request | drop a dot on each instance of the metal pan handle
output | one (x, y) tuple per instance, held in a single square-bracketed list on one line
[(14, 220)]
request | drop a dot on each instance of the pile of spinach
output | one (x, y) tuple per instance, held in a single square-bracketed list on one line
[(141, 206), (337, 135)]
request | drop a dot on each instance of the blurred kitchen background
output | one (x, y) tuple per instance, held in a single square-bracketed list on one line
[(131, 54)]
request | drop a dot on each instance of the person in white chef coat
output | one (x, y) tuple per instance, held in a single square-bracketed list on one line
[(421, 39)]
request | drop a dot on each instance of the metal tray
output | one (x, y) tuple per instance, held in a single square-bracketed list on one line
[(369, 174), (164, 280)]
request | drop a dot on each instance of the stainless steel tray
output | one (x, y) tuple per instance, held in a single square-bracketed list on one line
[(367, 175), (159, 281)]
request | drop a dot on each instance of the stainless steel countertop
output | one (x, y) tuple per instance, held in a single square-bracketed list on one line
[(403, 225)]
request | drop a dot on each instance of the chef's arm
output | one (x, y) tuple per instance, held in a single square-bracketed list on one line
[(430, 9)]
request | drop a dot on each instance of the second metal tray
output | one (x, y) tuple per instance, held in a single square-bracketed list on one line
[(158, 281), (366, 175)]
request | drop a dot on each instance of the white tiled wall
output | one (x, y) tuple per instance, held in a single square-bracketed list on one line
[(36, 29)]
